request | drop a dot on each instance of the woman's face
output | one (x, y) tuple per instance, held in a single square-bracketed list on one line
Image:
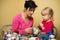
[(29, 12), (45, 15)]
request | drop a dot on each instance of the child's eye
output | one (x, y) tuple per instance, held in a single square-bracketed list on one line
[(43, 15)]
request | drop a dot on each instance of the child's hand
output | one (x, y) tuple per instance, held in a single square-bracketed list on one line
[(42, 26)]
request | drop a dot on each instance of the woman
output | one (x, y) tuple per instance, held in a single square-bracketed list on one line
[(22, 23)]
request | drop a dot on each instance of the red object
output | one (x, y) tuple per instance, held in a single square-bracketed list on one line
[(48, 26), (37, 38), (26, 39), (14, 39)]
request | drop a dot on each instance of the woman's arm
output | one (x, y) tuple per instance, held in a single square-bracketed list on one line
[(15, 25)]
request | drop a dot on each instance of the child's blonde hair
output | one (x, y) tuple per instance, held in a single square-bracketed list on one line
[(50, 11)]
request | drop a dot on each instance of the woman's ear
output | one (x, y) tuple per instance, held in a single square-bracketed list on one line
[(24, 9)]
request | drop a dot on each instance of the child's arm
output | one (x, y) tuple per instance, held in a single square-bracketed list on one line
[(41, 26), (50, 27)]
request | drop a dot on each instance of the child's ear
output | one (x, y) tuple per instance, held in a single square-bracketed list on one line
[(50, 16)]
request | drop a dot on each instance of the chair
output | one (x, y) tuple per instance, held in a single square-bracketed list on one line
[(55, 31), (3, 27)]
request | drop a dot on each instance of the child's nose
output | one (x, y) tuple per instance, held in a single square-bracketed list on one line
[(42, 16)]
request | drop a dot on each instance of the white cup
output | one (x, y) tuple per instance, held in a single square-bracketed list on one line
[(35, 31)]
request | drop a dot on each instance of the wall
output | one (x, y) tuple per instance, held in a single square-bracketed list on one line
[(0, 12)]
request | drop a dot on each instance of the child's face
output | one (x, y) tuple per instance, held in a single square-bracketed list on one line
[(29, 11), (45, 15)]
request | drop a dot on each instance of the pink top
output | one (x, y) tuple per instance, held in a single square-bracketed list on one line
[(48, 26), (19, 25)]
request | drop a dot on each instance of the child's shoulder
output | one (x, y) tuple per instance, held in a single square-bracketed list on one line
[(51, 22), (48, 23)]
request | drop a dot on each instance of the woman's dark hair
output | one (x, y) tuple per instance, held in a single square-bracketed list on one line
[(30, 4)]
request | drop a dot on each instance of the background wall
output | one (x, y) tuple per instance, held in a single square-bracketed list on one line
[(9, 8), (0, 12)]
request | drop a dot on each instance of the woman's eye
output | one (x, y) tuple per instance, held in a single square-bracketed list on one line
[(31, 10)]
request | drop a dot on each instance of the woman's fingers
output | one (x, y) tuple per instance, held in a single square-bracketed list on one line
[(28, 30)]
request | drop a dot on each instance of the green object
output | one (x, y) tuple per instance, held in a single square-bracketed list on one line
[(29, 36)]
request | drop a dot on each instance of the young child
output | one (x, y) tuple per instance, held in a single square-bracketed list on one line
[(46, 26)]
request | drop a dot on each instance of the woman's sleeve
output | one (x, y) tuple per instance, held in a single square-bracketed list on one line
[(15, 25), (22, 32)]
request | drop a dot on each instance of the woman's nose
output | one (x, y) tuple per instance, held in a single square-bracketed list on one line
[(32, 12)]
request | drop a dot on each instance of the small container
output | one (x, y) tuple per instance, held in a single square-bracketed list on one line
[(35, 31), (52, 37), (8, 36), (14, 36)]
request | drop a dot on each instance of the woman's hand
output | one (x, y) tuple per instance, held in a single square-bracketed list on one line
[(28, 30)]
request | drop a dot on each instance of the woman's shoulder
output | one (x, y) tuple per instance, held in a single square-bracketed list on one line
[(18, 16)]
